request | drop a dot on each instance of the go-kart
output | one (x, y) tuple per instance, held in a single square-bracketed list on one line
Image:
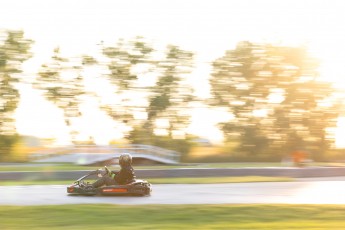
[(136, 187)]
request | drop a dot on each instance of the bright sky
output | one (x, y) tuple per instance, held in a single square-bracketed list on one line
[(207, 27)]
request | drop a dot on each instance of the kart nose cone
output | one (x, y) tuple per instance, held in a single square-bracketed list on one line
[(70, 189)]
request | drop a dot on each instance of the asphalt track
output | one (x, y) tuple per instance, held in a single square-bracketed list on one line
[(303, 191)]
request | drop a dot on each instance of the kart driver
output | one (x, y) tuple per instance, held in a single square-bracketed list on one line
[(124, 176)]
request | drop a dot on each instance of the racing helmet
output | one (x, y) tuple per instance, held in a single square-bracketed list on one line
[(125, 159)]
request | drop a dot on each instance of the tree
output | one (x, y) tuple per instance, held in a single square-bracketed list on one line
[(275, 96), (123, 58), (62, 84), (133, 62), (171, 94), (14, 50), (168, 103)]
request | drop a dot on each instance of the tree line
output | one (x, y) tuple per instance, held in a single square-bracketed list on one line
[(274, 93)]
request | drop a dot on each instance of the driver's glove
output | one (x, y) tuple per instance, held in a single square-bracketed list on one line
[(111, 174)]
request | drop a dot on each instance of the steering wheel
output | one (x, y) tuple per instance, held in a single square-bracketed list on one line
[(107, 171)]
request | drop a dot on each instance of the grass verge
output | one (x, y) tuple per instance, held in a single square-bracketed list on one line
[(173, 217), (194, 180)]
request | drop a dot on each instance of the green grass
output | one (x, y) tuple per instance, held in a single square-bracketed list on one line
[(195, 180), (312, 217)]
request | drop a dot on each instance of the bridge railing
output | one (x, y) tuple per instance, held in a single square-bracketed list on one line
[(148, 150)]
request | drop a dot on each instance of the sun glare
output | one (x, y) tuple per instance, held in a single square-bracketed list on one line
[(207, 28)]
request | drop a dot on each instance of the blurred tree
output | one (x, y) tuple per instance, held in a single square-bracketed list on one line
[(124, 58), (14, 50), (171, 94), (62, 84), (168, 103), (147, 84), (276, 99)]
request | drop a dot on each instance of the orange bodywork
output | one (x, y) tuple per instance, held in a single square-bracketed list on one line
[(115, 190)]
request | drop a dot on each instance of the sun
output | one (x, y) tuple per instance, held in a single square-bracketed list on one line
[(331, 56)]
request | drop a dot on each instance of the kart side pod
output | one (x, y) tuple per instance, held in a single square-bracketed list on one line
[(114, 190)]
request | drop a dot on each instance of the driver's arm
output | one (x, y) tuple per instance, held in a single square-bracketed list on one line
[(112, 174)]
